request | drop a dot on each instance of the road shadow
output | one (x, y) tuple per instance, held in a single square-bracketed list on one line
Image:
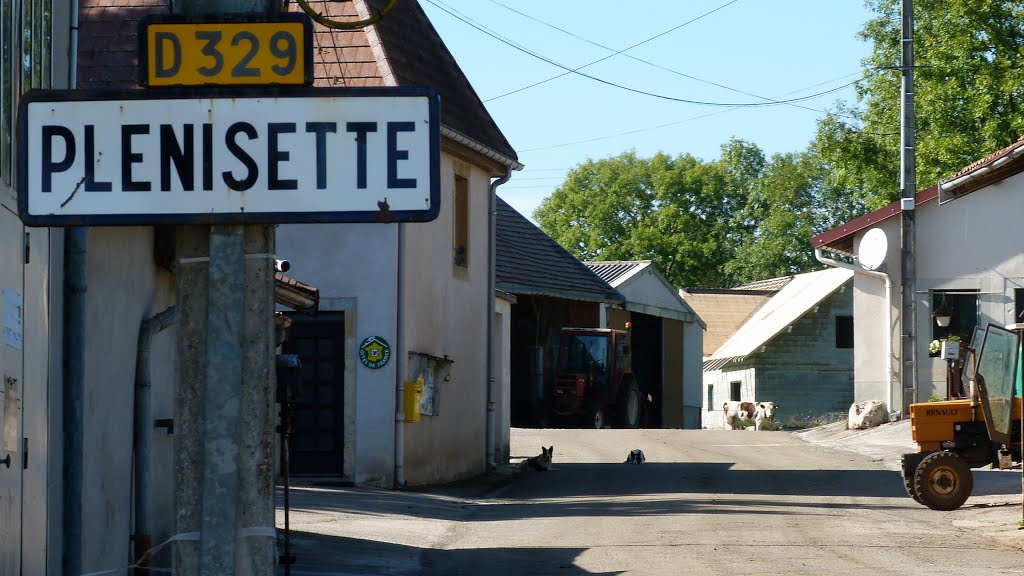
[(626, 490), (329, 555)]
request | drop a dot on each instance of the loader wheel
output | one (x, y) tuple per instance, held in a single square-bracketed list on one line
[(909, 466), (943, 481)]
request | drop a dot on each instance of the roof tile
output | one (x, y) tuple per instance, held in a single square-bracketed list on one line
[(528, 261)]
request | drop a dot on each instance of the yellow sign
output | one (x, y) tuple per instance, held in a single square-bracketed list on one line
[(177, 52)]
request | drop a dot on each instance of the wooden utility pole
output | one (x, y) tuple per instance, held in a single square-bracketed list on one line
[(224, 483), (908, 193)]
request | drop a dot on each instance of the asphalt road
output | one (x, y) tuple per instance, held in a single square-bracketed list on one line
[(706, 502)]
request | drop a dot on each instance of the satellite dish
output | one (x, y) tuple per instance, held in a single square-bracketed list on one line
[(872, 249)]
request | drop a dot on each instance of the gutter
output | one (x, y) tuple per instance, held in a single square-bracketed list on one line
[(481, 148), (399, 479), (76, 241), (492, 212), (819, 255), (143, 422)]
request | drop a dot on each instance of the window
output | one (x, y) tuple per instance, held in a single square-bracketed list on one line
[(25, 50), (844, 331), (711, 397), (962, 308), (460, 223), (734, 391), (1018, 306)]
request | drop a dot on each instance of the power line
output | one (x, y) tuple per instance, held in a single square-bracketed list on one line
[(613, 54), (626, 88), (667, 124), (647, 62)]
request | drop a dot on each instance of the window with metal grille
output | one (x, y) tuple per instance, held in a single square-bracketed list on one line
[(25, 62)]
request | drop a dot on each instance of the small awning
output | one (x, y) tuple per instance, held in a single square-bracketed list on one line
[(296, 295)]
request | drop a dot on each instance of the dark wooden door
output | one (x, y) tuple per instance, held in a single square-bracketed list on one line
[(317, 442)]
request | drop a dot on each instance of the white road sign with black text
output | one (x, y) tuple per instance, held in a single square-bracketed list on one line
[(322, 156)]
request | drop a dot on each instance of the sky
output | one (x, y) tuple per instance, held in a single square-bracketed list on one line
[(709, 51)]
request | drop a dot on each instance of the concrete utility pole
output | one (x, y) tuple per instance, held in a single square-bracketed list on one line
[(908, 192), (224, 483)]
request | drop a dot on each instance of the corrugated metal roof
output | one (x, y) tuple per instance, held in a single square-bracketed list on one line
[(615, 272), (771, 284), (792, 302), (528, 261)]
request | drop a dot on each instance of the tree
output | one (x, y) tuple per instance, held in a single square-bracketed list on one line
[(703, 224), (969, 97)]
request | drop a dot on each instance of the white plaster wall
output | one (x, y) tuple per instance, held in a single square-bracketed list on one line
[(124, 288), (693, 374), (646, 288), (355, 268), (969, 243), (713, 417), (872, 358), (503, 377), (446, 315)]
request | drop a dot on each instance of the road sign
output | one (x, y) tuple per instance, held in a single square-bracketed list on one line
[(174, 51), (228, 156)]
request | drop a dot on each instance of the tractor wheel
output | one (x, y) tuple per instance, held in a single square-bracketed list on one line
[(943, 481), (595, 418), (629, 404)]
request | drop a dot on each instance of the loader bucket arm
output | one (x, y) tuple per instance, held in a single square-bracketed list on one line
[(996, 377)]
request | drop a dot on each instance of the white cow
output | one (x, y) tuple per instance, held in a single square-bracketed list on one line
[(739, 415)]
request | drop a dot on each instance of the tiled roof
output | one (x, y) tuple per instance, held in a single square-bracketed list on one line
[(418, 57), (612, 271), (108, 41), (403, 49), (840, 238), (528, 261)]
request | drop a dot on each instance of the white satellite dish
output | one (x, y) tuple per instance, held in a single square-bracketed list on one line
[(872, 249)]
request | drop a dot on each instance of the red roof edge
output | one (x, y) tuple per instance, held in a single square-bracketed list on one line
[(847, 230)]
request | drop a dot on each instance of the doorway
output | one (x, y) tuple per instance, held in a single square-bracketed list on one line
[(316, 446)]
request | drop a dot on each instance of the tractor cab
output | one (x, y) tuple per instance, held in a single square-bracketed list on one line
[(958, 434), (594, 380)]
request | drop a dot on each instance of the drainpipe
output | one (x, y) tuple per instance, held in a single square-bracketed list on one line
[(888, 317), (73, 400), (400, 363), (491, 225), (143, 537)]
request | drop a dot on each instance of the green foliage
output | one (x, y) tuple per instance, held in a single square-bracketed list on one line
[(969, 96), (745, 217), (704, 224)]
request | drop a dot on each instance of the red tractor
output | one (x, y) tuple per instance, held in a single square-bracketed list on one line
[(594, 381)]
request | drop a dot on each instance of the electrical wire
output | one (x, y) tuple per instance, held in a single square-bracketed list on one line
[(614, 53), (627, 88), (325, 21), (641, 60)]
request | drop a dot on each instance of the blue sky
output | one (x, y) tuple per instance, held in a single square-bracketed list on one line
[(776, 49)]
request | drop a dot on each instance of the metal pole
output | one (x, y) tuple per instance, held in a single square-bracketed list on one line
[(222, 399), (223, 471), (75, 275), (908, 192)]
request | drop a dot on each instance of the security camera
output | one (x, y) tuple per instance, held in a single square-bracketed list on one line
[(282, 265)]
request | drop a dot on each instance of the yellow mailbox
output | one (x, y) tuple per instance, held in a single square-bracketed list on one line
[(413, 393)]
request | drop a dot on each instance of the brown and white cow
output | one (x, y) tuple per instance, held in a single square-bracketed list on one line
[(739, 415)]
